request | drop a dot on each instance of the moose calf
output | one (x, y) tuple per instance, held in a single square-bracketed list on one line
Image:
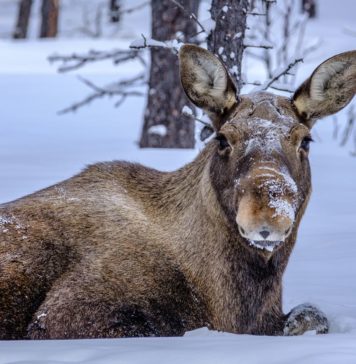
[(124, 250)]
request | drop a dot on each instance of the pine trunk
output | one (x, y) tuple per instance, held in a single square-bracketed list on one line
[(23, 19), (226, 40), (309, 7), (114, 11), (49, 25), (164, 124)]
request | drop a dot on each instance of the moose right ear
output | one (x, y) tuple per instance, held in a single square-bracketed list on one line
[(329, 89), (206, 82)]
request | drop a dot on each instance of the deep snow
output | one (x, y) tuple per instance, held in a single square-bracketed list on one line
[(38, 148)]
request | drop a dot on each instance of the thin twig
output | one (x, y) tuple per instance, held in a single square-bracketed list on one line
[(197, 119), (134, 8), (256, 14), (190, 15), (116, 89), (74, 61), (247, 44), (281, 73)]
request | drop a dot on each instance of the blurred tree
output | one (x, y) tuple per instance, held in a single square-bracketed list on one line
[(49, 13), (114, 11), (309, 7), (228, 36), (166, 98), (164, 124), (23, 19)]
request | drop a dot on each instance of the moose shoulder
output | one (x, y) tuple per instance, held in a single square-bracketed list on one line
[(123, 250)]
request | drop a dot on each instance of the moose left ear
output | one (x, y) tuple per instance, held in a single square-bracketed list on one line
[(329, 89), (206, 82)]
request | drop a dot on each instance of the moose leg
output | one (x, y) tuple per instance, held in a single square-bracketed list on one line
[(20, 296), (86, 303), (75, 309), (305, 317), (27, 270)]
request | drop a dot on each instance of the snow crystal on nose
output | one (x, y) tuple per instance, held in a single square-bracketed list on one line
[(282, 208), (277, 188), (288, 180)]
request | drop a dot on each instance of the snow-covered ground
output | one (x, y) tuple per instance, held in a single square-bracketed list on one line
[(38, 148)]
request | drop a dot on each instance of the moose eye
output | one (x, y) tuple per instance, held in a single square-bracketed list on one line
[(223, 143), (305, 144)]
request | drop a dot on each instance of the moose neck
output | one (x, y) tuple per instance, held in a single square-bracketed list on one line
[(210, 250)]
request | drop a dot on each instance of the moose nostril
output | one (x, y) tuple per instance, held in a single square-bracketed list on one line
[(265, 234), (288, 231), (242, 231)]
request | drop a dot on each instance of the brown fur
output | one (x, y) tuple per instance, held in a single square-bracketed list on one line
[(124, 250)]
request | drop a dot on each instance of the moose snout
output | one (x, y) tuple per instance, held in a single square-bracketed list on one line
[(261, 224), (264, 233)]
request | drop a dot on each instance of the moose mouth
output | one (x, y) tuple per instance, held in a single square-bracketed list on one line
[(264, 245)]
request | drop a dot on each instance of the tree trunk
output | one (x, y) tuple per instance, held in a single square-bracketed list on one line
[(49, 25), (164, 124), (23, 19), (226, 40), (309, 7), (114, 11)]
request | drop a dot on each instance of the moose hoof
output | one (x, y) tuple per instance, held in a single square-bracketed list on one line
[(305, 317)]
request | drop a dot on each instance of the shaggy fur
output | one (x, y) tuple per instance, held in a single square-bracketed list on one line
[(124, 250)]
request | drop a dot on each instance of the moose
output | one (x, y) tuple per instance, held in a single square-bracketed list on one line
[(121, 250)]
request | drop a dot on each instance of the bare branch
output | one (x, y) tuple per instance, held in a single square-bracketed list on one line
[(197, 119), (147, 43), (190, 15), (134, 8), (278, 74), (259, 44), (121, 89), (74, 61), (143, 43), (255, 13)]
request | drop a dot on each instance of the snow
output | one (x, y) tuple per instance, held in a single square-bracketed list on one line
[(158, 129), (187, 110), (264, 244), (282, 208), (147, 42), (39, 147), (208, 24)]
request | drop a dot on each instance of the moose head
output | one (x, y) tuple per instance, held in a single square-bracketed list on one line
[(260, 169)]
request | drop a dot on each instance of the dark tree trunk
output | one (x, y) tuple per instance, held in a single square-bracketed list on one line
[(226, 40), (114, 11), (49, 25), (309, 7), (23, 19), (164, 124)]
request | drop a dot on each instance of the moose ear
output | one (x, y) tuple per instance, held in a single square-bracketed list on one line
[(206, 82), (329, 89)]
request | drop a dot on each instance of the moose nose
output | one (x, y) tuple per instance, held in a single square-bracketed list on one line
[(265, 234)]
